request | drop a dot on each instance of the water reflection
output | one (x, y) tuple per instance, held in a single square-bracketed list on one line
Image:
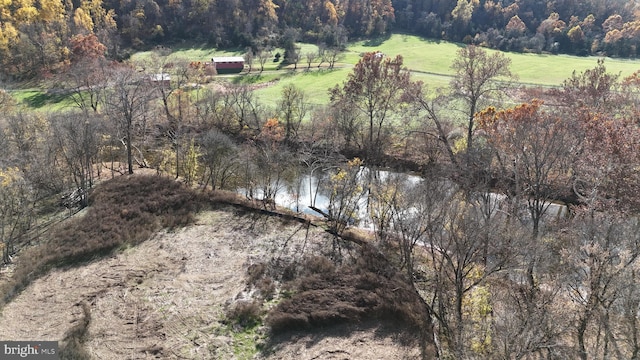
[(306, 192)]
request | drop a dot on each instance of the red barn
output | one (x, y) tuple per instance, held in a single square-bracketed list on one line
[(228, 64)]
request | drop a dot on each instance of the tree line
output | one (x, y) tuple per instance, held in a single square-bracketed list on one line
[(38, 38), (502, 275)]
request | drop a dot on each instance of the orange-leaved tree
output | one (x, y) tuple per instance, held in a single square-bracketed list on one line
[(377, 87), (536, 152), (476, 79)]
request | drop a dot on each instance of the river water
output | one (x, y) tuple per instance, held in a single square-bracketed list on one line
[(308, 191)]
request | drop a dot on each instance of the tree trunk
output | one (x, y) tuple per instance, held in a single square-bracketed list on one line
[(582, 327), (470, 131), (459, 294), (129, 151)]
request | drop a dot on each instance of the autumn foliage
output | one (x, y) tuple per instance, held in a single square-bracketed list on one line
[(272, 131), (87, 47), (610, 164)]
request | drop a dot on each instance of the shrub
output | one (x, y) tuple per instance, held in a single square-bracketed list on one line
[(258, 276), (245, 313), (267, 288), (256, 272), (289, 272), (368, 288), (319, 265), (280, 322)]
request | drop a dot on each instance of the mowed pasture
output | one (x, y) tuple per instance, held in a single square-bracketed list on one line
[(429, 61)]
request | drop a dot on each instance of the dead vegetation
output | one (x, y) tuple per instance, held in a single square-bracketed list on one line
[(123, 212), (234, 283), (326, 294), (73, 342)]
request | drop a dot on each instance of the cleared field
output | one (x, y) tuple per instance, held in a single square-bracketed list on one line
[(38, 99), (429, 60), (432, 56), (189, 53)]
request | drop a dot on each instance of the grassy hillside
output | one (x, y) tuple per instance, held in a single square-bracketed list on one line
[(430, 61), (219, 281)]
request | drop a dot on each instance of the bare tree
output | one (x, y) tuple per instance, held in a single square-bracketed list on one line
[(244, 105), (350, 124), (346, 193), (248, 58), (594, 89), (7, 102), (629, 300), (322, 54), (318, 158), (87, 81), (86, 77), (128, 106), (601, 258), (377, 87), (458, 270), (219, 157), (294, 57), (176, 101), (233, 109), (28, 147), (213, 108), (413, 211), (433, 107), (529, 327), (268, 163), (333, 55), (536, 151), (263, 56), (16, 208), (77, 136), (293, 109), (477, 78), (310, 57)]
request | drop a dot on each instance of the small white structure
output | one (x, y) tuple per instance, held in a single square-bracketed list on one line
[(163, 79)]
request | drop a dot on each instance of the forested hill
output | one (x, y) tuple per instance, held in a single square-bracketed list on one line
[(43, 36)]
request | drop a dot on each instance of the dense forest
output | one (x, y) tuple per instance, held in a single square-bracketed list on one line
[(39, 37)]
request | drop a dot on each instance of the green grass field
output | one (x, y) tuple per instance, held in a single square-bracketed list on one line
[(429, 61), (41, 100), (190, 53), (431, 56)]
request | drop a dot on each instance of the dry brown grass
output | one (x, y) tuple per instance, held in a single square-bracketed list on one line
[(123, 212), (315, 292), (326, 294)]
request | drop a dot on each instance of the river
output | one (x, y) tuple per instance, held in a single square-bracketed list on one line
[(308, 191)]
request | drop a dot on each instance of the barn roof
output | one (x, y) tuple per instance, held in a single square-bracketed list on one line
[(228, 59)]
